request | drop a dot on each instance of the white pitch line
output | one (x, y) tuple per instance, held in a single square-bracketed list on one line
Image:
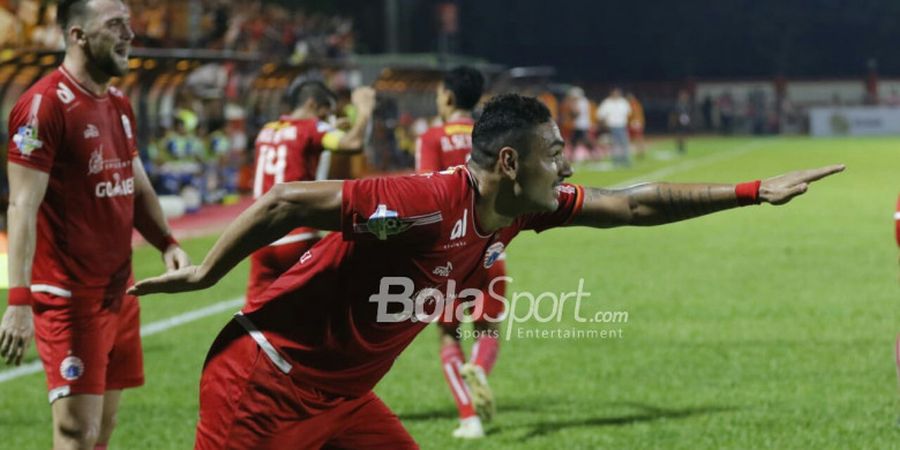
[(692, 164), (146, 330)]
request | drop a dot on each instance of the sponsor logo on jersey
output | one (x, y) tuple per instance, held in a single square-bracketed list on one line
[(95, 164), (116, 188), (384, 222), (492, 254), (443, 271), (91, 131), (459, 228), (306, 256), (71, 368), (126, 124)]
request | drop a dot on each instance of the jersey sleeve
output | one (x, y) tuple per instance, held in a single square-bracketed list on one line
[(390, 209), (36, 130), (129, 124), (428, 154), (570, 197)]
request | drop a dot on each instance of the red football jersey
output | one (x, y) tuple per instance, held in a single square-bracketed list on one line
[(400, 236), (444, 146), (87, 145), (288, 150)]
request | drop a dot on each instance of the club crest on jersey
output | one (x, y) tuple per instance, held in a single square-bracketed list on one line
[(26, 140), (385, 222), (493, 254), (71, 368)]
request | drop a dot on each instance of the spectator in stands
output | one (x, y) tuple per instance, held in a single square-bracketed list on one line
[(47, 34), (579, 107), (680, 119), (613, 113), (636, 124), (706, 108), (10, 27), (725, 104), (758, 103), (154, 21)]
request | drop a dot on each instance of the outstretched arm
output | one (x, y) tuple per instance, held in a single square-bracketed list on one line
[(286, 206), (660, 203)]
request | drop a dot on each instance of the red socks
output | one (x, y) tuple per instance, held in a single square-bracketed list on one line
[(484, 353), (451, 361)]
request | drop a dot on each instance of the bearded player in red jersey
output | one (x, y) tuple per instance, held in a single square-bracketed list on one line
[(290, 149), (440, 148), (296, 367), (77, 189)]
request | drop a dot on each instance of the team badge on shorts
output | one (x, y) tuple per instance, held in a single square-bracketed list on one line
[(72, 368), (492, 254)]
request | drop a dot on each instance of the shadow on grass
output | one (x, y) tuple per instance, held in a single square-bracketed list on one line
[(647, 413), (522, 405)]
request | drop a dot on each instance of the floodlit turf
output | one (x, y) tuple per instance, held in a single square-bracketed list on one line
[(766, 327)]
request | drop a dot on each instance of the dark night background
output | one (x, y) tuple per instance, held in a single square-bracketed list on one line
[(652, 40)]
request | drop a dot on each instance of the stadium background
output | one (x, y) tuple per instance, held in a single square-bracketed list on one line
[(756, 328)]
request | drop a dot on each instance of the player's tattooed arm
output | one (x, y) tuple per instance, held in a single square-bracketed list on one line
[(659, 203), (286, 206), (653, 204)]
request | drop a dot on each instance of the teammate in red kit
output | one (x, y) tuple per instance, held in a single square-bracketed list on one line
[(290, 149), (296, 368), (77, 189), (440, 148)]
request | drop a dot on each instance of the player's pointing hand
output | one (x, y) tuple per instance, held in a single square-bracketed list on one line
[(781, 189), (188, 278)]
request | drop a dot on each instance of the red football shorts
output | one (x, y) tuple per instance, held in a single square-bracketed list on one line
[(246, 402), (490, 306), (269, 263), (88, 344), (635, 130)]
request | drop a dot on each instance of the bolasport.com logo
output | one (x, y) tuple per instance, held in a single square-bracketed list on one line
[(526, 315)]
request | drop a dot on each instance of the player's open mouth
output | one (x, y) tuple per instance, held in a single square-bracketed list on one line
[(121, 50)]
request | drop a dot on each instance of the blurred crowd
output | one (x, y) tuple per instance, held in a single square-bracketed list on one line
[(253, 26)]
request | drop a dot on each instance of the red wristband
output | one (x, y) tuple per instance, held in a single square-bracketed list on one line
[(19, 296), (747, 193), (165, 243), (170, 241), (897, 222)]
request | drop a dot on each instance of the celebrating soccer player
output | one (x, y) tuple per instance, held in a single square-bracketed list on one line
[(440, 148), (296, 368), (77, 189), (290, 149)]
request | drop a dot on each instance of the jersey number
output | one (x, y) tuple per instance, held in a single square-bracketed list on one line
[(272, 162)]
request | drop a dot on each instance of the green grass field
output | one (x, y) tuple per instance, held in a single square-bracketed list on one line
[(765, 327)]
